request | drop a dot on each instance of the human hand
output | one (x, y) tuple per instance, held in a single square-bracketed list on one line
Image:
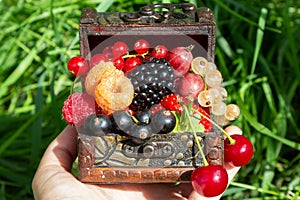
[(53, 179)]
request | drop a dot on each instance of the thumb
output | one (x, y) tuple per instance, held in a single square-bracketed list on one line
[(63, 149)]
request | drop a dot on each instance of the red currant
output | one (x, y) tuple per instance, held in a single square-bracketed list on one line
[(97, 58), (239, 153), (119, 49), (141, 46), (107, 52), (210, 181), (206, 123), (131, 63), (78, 66), (160, 51), (119, 63)]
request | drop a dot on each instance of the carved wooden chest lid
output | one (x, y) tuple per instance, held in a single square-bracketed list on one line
[(176, 14)]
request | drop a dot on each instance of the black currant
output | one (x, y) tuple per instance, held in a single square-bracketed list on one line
[(122, 120), (98, 125), (163, 122), (140, 131), (143, 116)]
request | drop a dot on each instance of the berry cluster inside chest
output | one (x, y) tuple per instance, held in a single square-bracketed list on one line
[(146, 79)]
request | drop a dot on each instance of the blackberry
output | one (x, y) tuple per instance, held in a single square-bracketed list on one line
[(152, 80)]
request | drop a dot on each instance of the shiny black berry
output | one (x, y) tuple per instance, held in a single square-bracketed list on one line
[(143, 116), (98, 125), (163, 122), (122, 120), (141, 131)]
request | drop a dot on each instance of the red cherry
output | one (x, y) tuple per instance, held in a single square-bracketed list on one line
[(119, 63), (141, 46), (160, 51), (210, 181), (239, 153), (131, 63), (119, 49), (97, 58), (78, 66)]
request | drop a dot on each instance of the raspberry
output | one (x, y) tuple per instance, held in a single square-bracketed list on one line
[(77, 107)]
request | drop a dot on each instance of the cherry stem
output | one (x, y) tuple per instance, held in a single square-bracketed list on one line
[(205, 163), (231, 140)]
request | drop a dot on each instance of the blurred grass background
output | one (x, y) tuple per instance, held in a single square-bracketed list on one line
[(257, 51)]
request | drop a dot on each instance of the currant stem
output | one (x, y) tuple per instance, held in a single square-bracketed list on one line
[(205, 163), (231, 140), (134, 55)]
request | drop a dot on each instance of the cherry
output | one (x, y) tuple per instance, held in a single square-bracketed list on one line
[(119, 63), (97, 58), (78, 66), (210, 180), (131, 63), (238, 150), (160, 51), (238, 153), (141, 46), (119, 49)]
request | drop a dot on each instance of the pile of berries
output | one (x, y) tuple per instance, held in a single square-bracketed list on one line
[(149, 91)]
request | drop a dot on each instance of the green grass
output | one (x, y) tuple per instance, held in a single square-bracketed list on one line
[(257, 51)]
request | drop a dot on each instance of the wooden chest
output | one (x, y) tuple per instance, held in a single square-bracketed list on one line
[(159, 158)]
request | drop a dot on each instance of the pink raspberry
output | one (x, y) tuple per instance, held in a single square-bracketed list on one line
[(77, 107)]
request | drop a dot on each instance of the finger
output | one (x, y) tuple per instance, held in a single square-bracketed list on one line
[(233, 130)]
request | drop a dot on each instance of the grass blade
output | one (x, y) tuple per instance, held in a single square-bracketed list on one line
[(259, 37), (263, 129)]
